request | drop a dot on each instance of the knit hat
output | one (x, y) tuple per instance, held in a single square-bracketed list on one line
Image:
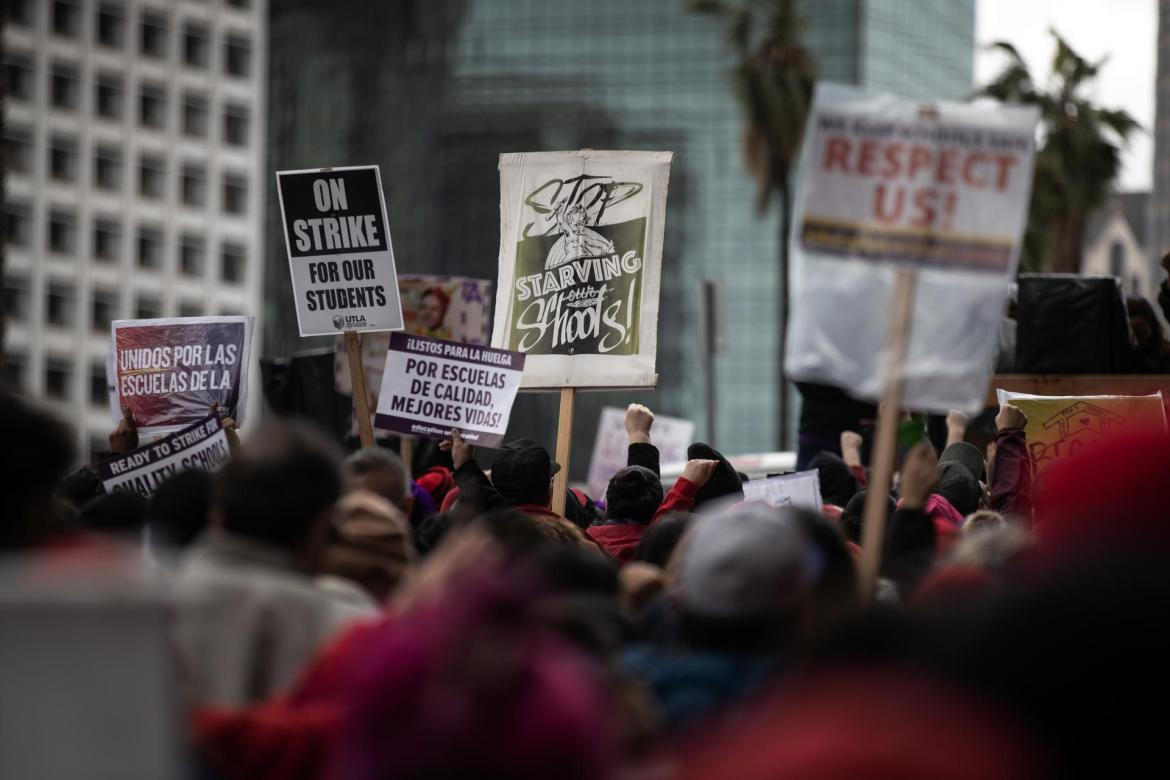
[(748, 562), (521, 471), (724, 480), (838, 484)]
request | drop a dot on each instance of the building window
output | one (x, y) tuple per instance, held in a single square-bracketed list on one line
[(154, 35), (107, 239), (109, 96), (235, 125), (196, 46), (57, 378), (237, 55), (99, 392), (62, 232), (232, 263), (17, 150), (190, 309), (19, 12), (17, 224), (193, 184), (59, 305), (150, 248), (15, 298), (149, 307), (191, 255), (18, 72), (195, 115), (111, 26), (63, 158), (235, 192), (104, 310), (152, 106), (14, 368), (151, 176), (66, 19), (107, 168), (65, 87)]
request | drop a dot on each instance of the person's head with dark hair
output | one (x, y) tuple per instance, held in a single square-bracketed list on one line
[(838, 484), (1145, 325), (521, 535), (522, 472), (380, 471), (579, 509), (179, 509), (281, 489), (39, 451), (121, 513), (633, 495), (658, 543), (854, 511)]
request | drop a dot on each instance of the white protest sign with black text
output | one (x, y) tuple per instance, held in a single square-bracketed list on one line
[(801, 489), (888, 182), (202, 447), (339, 252), (671, 435), (430, 386), (580, 265)]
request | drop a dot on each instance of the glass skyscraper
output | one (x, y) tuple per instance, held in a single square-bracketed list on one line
[(459, 83)]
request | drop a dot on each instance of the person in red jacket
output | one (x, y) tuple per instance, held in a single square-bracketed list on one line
[(631, 500)]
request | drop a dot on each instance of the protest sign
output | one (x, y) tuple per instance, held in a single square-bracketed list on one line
[(580, 264), (339, 253), (453, 308), (202, 446), (431, 386), (801, 489), (170, 371), (1058, 426), (671, 435), (886, 183)]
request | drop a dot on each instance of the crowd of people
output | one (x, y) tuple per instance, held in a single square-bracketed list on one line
[(347, 616)]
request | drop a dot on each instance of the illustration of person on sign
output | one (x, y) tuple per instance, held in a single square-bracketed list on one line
[(576, 239)]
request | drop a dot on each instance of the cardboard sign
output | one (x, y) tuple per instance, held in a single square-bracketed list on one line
[(580, 264), (1059, 426), (431, 386), (801, 489), (202, 446), (339, 253), (671, 435), (887, 182), (170, 371)]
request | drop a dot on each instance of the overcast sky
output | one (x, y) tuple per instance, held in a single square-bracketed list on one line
[(1123, 30)]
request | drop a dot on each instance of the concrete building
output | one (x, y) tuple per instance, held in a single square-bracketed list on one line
[(1115, 244), (457, 83), (133, 139)]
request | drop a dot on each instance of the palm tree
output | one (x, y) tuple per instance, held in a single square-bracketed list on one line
[(773, 82), (1078, 158)]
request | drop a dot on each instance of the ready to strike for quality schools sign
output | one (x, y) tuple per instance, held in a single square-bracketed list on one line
[(580, 265), (170, 371), (431, 386), (339, 251), (884, 182), (200, 447)]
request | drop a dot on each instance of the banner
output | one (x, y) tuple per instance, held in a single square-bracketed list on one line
[(170, 371), (671, 435), (202, 447), (339, 253), (801, 489), (431, 386), (580, 265), (884, 182), (1059, 426)]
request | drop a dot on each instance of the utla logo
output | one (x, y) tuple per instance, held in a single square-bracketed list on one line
[(349, 321)]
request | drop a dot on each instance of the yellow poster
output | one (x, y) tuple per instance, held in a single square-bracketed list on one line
[(1060, 425)]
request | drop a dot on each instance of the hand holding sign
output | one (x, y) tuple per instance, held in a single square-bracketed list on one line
[(461, 451), (125, 436)]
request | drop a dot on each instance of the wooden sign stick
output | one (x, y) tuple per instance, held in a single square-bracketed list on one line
[(357, 380), (873, 529), (564, 440), (406, 452)]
